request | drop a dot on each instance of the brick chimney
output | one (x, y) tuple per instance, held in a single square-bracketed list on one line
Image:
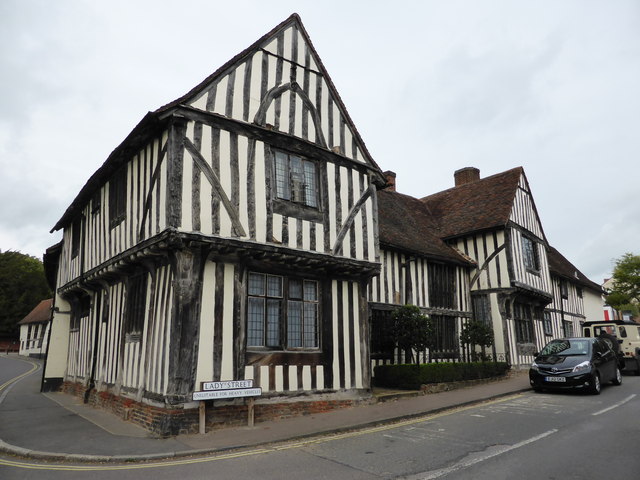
[(466, 175), (391, 180)]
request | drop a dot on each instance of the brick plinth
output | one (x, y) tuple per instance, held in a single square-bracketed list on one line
[(176, 420)]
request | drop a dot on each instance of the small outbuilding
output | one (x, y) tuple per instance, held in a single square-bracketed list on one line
[(34, 329)]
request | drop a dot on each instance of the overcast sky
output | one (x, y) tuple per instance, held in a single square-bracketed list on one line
[(432, 86)]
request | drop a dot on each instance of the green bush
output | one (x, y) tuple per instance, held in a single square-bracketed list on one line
[(410, 376)]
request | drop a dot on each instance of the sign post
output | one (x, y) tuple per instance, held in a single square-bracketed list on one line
[(226, 389)]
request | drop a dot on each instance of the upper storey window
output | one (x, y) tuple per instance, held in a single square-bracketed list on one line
[(118, 197), (76, 236), (442, 285), (530, 254), (296, 179)]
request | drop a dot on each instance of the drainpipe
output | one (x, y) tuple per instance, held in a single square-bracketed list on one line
[(46, 356)]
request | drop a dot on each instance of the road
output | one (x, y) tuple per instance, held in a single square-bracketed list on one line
[(525, 436)]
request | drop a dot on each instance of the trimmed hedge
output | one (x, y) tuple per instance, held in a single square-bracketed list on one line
[(411, 376)]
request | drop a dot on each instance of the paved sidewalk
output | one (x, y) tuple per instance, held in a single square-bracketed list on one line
[(60, 426)]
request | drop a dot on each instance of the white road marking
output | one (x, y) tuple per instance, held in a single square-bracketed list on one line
[(615, 405), (477, 459)]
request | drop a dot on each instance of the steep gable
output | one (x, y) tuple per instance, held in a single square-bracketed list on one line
[(280, 83), (481, 205), (524, 212)]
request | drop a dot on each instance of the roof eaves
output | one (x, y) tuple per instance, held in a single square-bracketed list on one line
[(149, 124)]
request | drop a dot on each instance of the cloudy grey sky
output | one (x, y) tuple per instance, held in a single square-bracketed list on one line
[(432, 86)]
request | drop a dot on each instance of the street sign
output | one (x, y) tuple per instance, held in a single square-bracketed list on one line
[(232, 393), (227, 385)]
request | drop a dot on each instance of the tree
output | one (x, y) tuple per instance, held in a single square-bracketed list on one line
[(412, 330), (22, 286), (477, 333), (625, 294)]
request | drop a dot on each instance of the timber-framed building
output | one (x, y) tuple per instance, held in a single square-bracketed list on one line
[(244, 232), (231, 236)]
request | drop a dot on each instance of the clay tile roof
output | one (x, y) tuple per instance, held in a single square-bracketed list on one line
[(480, 205), (39, 314), (405, 223), (562, 267)]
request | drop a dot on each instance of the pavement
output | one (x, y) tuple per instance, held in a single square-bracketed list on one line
[(57, 426)]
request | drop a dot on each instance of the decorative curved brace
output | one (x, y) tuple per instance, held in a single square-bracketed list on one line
[(275, 92), (337, 246), (485, 265), (149, 199), (208, 172)]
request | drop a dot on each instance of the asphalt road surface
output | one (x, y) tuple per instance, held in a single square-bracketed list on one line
[(526, 436)]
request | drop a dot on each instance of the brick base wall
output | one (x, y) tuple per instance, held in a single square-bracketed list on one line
[(168, 422)]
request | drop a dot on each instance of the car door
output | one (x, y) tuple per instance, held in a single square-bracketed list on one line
[(606, 360)]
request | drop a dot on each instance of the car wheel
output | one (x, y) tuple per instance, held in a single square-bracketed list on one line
[(595, 384), (618, 378)]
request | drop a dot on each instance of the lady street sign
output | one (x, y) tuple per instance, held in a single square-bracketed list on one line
[(227, 389)]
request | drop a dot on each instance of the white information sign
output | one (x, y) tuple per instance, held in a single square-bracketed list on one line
[(227, 385), (234, 393)]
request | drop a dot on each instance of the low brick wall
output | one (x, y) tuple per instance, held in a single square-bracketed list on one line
[(167, 422)]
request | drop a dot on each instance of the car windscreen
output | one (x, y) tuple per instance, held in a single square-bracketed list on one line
[(566, 347), (605, 329)]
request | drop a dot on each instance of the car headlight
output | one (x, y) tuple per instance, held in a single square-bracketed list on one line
[(534, 366), (581, 367)]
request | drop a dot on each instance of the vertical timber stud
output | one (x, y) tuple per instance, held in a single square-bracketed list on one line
[(177, 131), (239, 315), (327, 332), (188, 271), (365, 332)]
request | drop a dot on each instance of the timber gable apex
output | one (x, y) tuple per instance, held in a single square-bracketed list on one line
[(280, 83)]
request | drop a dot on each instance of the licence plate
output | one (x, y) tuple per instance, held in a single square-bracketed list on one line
[(555, 379)]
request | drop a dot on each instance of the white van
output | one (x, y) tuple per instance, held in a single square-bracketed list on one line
[(623, 337)]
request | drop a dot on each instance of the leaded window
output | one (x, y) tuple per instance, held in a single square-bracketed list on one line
[(481, 308), (567, 328), (530, 254), (442, 285), (118, 197), (564, 289), (445, 337), (282, 312), (546, 324), (523, 322), (296, 179), (76, 236), (136, 305)]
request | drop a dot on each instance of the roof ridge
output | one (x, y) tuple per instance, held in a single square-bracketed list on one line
[(490, 177)]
